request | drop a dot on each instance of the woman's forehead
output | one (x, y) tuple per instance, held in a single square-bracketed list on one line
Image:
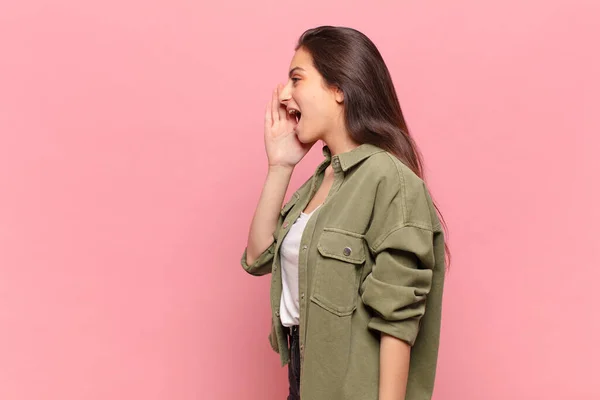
[(301, 60)]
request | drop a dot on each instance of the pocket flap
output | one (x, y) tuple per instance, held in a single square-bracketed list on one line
[(342, 245)]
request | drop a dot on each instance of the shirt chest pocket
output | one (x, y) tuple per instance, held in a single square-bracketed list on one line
[(337, 273)]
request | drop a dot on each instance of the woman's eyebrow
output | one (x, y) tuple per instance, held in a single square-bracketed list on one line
[(294, 69)]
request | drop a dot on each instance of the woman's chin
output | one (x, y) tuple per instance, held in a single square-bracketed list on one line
[(298, 132), (299, 135), (306, 139), (303, 138)]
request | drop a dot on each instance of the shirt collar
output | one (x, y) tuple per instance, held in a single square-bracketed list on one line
[(350, 158)]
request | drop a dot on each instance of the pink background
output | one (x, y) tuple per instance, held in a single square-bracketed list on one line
[(131, 160)]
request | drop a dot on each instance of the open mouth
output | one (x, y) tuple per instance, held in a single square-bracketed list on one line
[(296, 114)]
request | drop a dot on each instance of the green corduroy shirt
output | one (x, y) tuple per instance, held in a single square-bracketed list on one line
[(371, 260)]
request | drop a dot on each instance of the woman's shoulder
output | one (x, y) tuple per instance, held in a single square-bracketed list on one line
[(385, 166), (398, 183)]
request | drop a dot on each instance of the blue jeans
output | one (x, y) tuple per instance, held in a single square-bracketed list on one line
[(294, 365)]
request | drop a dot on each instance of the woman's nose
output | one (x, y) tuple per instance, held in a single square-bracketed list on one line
[(284, 93)]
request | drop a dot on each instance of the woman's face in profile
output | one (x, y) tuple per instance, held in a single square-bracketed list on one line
[(320, 109)]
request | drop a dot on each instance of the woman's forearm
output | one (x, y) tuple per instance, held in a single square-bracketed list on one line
[(393, 368), (267, 211)]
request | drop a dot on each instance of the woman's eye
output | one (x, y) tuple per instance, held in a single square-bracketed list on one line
[(295, 80)]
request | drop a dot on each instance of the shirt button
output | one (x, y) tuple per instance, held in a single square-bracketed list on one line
[(285, 225), (302, 295), (301, 347), (277, 313), (304, 247), (347, 251)]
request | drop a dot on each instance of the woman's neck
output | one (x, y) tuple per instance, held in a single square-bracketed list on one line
[(341, 144)]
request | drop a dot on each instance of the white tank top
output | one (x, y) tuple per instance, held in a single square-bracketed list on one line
[(289, 308)]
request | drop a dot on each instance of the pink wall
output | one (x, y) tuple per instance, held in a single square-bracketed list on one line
[(131, 159)]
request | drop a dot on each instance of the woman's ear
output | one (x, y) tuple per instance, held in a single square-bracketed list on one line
[(339, 95)]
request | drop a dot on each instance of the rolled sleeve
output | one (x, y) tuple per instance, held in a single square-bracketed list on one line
[(396, 289), (263, 264)]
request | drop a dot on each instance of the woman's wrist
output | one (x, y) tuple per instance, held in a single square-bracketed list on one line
[(279, 168)]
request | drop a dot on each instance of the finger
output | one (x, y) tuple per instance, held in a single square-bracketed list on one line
[(274, 106), (268, 116)]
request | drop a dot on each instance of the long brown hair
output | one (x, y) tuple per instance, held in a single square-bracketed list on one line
[(349, 60)]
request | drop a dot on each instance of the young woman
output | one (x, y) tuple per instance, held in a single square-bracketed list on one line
[(357, 255)]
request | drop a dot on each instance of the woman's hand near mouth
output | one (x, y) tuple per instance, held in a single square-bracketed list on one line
[(281, 142)]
